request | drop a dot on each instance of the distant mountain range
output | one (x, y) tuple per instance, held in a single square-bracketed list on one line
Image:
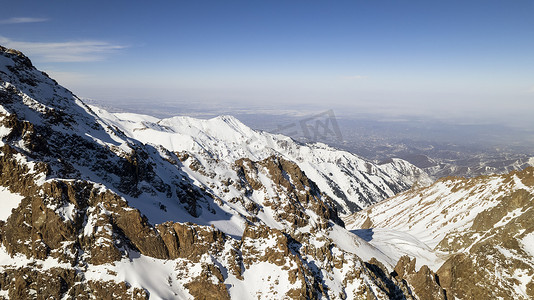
[(439, 148)]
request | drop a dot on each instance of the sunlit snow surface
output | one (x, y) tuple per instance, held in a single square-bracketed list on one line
[(395, 244), (528, 244), (415, 222), (8, 201), (218, 142)]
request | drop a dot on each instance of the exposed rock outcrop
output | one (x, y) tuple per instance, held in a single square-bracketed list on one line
[(83, 229)]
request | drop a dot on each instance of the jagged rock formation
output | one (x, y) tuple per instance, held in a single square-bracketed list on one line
[(88, 209), (481, 230), (423, 282), (351, 181)]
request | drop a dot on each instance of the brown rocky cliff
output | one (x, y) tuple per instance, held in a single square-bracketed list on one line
[(296, 192), (424, 282)]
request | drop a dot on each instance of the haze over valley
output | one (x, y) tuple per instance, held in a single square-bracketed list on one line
[(442, 147)]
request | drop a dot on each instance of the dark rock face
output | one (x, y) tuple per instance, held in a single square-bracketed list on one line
[(202, 287), (298, 191), (190, 241), (424, 283), (27, 283)]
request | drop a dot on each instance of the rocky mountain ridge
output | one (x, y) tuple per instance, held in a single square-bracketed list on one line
[(90, 209), (480, 231), (351, 181)]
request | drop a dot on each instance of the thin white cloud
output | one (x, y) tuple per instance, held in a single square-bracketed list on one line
[(73, 51), (21, 20)]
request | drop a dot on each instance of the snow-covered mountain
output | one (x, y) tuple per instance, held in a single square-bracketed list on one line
[(103, 205), (96, 205), (216, 144), (477, 234)]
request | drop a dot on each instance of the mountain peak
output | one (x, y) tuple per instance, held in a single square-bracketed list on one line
[(228, 119), (211, 207), (12, 53)]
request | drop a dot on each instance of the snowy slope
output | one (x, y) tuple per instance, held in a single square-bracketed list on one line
[(351, 181), (429, 214), (476, 233), (416, 221)]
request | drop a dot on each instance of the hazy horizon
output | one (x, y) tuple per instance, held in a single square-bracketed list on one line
[(455, 61)]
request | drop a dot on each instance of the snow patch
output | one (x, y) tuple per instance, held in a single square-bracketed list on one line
[(157, 276), (509, 216), (354, 244), (20, 260), (4, 111), (4, 131), (67, 212), (263, 280), (8, 201), (528, 243), (395, 244)]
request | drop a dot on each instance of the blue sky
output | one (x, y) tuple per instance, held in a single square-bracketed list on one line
[(471, 61)]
